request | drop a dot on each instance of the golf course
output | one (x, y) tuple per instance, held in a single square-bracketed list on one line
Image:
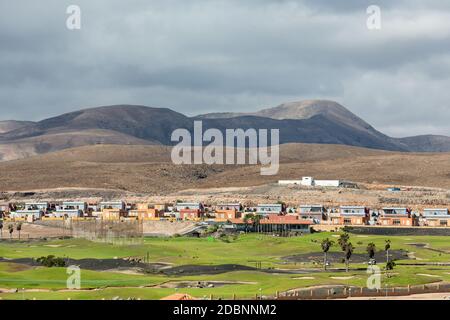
[(231, 267)]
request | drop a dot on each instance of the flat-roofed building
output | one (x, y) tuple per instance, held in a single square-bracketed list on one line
[(227, 211), (353, 215), (397, 216), (119, 205), (33, 210), (111, 210), (312, 212), (189, 205), (274, 208), (70, 209), (437, 217), (4, 209), (190, 210), (146, 211)]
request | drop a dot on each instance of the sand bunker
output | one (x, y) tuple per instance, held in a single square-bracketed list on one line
[(199, 284), (427, 275), (342, 278)]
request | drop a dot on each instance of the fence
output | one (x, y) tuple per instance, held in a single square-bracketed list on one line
[(108, 231), (341, 292)]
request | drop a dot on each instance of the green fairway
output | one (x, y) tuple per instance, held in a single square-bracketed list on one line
[(50, 283)]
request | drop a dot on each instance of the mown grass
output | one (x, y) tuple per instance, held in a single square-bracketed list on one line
[(245, 250)]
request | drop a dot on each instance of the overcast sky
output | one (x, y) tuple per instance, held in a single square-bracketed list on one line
[(198, 56)]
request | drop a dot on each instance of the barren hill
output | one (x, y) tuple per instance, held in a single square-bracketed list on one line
[(311, 121), (10, 125)]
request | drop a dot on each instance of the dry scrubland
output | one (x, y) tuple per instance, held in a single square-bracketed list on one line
[(146, 172)]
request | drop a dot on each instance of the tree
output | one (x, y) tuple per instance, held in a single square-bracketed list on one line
[(326, 245), (371, 249), (254, 218), (1, 229), (348, 254), (19, 228), (11, 230), (387, 246), (390, 265), (248, 217), (343, 240)]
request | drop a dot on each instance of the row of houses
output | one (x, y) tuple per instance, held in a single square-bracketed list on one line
[(233, 212)]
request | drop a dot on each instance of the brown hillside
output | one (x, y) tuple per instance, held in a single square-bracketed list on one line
[(147, 169)]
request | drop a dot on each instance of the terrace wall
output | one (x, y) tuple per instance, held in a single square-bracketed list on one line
[(407, 231)]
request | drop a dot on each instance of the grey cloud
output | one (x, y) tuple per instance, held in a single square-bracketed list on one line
[(206, 56)]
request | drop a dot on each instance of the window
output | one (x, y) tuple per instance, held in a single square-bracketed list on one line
[(396, 222), (347, 221), (443, 223)]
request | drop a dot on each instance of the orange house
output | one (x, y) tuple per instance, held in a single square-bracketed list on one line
[(353, 215), (436, 217), (397, 217), (146, 211), (227, 214), (191, 214), (113, 214), (228, 211)]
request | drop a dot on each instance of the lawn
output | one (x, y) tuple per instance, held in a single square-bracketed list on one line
[(49, 283)]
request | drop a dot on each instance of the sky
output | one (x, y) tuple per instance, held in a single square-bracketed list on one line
[(202, 56)]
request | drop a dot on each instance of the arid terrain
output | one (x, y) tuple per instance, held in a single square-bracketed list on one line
[(132, 171)]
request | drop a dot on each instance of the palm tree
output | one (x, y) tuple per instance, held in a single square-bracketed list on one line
[(326, 245), (343, 240), (19, 228), (387, 246), (11, 230), (371, 248), (248, 217), (348, 254)]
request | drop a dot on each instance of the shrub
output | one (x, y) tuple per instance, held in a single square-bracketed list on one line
[(51, 261)]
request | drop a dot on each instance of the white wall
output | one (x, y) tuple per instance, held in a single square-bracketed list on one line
[(327, 183)]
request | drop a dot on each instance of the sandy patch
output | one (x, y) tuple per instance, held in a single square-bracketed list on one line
[(343, 278), (428, 275), (304, 278)]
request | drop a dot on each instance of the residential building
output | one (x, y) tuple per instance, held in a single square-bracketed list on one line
[(397, 217), (70, 209), (190, 210), (33, 210), (312, 212), (228, 211), (353, 215), (265, 209), (436, 217), (112, 210), (146, 211), (119, 205)]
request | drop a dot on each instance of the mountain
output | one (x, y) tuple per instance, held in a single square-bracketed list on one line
[(10, 125), (302, 110), (310, 121), (427, 143), (363, 135)]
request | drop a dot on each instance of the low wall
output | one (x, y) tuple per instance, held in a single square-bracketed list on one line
[(406, 231)]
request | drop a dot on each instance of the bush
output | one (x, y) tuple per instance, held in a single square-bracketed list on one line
[(390, 265), (51, 261)]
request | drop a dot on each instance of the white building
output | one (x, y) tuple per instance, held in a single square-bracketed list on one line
[(311, 182)]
